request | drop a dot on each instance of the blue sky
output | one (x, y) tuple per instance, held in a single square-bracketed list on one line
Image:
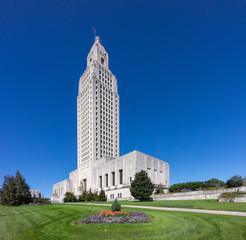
[(181, 75)]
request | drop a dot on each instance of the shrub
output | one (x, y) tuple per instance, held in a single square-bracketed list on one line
[(69, 197), (116, 206), (41, 201), (141, 187), (159, 189), (230, 197), (89, 196), (216, 188), (82, 197), (95, 197), (102, 196)]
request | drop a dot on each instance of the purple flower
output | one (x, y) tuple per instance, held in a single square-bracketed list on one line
[(134, 217)]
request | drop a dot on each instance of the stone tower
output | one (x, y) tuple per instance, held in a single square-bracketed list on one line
[(99, 166), (97, 110)]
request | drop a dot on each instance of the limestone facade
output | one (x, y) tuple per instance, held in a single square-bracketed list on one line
[(36, 194), (98, 160)]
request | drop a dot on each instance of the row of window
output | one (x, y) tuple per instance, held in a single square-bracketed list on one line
[(119, 195), (112, 179)]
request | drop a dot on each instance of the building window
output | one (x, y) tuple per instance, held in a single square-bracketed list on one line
[(130, 179), (106, 180), (100, 181), (102, 61), (84, 184), (121, 176), (113, 178)]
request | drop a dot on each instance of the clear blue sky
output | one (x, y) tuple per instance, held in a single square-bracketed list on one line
[(181, 74)]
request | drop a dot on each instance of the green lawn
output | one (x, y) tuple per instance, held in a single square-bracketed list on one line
[(198, 204), (56, 221)]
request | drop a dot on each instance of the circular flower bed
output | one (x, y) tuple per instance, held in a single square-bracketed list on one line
[(107, 216)]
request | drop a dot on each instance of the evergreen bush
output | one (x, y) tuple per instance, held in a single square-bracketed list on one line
[(159, 189), (69, 197), (89, 196), (82, 197), (102, 196), (116, 206), (95, 197)]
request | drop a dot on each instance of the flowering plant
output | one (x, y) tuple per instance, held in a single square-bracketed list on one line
[(108, 213), (107, 216)]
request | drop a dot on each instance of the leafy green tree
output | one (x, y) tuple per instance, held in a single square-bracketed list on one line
[(102, 196), (214, 182), (141, 187), (188, 186), (193, 186), (8, 191), (244, 181), (177, 187), (23, 194), (235, 181), (69, 197)]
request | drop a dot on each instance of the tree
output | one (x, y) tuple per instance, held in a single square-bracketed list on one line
[(214, 182), (102, 196), (141, 187), (23, 194), (193, 186), (244, 181), (188, 186), (15, 191), (69, 197), (235, 181), (177, 187), (8, 191)]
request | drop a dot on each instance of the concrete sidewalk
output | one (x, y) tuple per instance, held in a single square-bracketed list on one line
[(175, 209)]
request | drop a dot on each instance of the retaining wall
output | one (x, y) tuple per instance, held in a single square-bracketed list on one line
[(197, 195)]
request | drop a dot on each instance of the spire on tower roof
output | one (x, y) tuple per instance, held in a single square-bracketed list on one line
[(97, 39)]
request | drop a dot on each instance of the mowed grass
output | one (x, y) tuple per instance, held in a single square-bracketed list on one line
[(198, 204), (56, 221)]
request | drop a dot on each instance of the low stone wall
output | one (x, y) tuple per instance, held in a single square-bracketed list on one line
[(240, 199), (197, 195)]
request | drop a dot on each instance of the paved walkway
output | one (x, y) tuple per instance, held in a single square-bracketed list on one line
[(175, 209)]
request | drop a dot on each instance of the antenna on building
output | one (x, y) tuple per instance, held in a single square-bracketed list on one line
[(94, 33)]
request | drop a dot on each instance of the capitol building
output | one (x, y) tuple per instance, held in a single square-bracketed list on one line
[(99, 164)]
